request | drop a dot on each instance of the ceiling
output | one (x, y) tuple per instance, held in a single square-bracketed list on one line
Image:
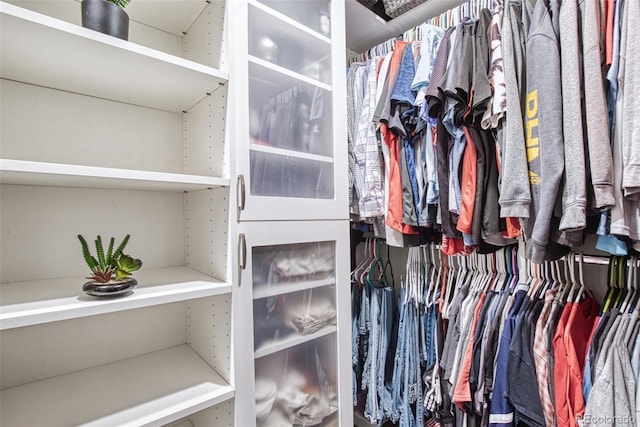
[(365, 29)]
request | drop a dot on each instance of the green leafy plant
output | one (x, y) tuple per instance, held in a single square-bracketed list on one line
[(105, 266), (121, 3)]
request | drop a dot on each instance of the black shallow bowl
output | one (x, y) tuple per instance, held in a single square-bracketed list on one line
[(109, 289)]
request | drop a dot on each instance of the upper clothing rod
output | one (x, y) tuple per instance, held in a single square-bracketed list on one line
[(600, 260)]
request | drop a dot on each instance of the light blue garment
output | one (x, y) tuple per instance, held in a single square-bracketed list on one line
[(370, 372), (610, 243), (407, 379), (430, 328), (386, 323), (398, 372), (355, 343), (429, 194), (455, 160), (402, 92), (431, 36), (410, 155)]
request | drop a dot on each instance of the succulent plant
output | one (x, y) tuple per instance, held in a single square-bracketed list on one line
[(121, 3), (112, 264)]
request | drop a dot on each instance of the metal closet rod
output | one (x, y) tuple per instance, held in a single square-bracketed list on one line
[(595, 259)]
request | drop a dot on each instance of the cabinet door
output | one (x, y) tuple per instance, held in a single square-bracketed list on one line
[(294, 349), (290, 130)]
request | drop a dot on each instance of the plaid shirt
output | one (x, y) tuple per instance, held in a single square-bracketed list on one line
[(368, 170), (540, 358), (355, 96)]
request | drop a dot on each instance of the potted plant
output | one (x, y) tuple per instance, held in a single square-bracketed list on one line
[(106, 16), (111, 270)]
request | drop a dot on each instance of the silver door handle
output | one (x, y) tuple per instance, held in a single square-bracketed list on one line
[(241, 193), (242, 256)]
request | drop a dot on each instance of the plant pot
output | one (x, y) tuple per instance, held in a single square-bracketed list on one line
[(109, 289), (105, 17)]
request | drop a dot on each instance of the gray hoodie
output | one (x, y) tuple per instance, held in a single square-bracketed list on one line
[(574, 195), (597, 123), (515, 195), (543, 130)]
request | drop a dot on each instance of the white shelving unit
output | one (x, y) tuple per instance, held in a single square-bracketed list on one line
[(108, 137), (162, 387)]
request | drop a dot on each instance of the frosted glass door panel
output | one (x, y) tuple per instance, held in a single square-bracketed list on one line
[(298, 386), (288, 113), (288, 320), (291, 121), (278, 267), (293, 285), (286, 44), (313, 14), (287, 176)]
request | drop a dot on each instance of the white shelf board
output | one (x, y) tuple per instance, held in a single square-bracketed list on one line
[(152, 389), (172, 16), (290, 153), (265, 291), (62, 298), (280, 76), (269, 21), (291, 341), (45, 51), (26, 172)]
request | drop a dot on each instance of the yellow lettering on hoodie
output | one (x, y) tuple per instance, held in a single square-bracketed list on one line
[(531, 126)]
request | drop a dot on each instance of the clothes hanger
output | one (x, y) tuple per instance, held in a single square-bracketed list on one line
[(554, 276), (438, 275), (390, 280), (367, 266), (376, 266), (572, 274), (635, 304), (629, 287), (583, 288), (502, 263), (508, 270), (453, 281), (566, 281), (428, 269), (629, 338), (412, 276), (358, 273), (543, 278), (433, 296), (611, 277), (354, 273), (491, 272), (621, 281), (474, 276)]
